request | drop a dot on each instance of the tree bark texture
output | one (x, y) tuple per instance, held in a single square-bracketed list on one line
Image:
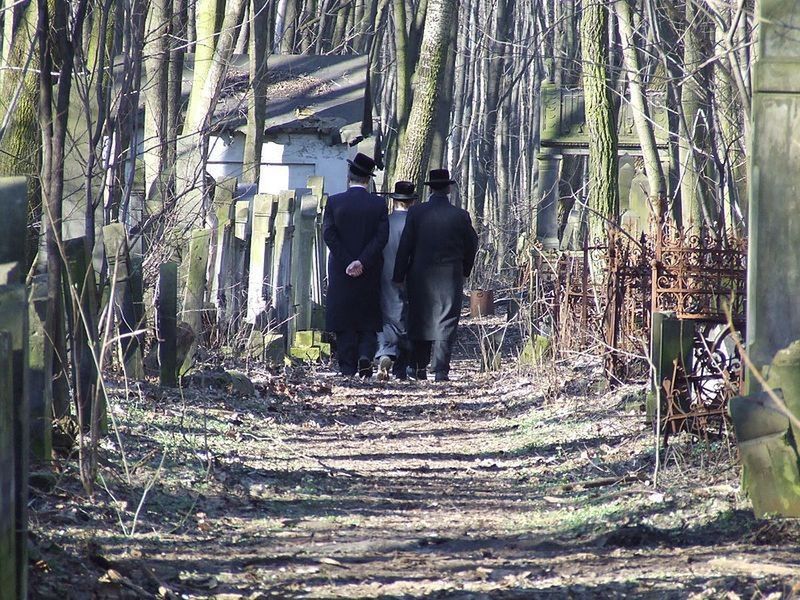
[(603, 200), (432, 61)]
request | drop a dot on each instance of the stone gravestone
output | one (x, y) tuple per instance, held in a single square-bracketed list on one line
[(8, 549), (13, 321), (119, 270), (319, 269), (302, 254), (167, 324), (194, 292), (15, 393), (281, 284), (261, 244), (223, 284), (769, 452)]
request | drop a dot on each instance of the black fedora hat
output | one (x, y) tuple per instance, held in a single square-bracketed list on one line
[(440, 177), (362, 165), (403, 190)]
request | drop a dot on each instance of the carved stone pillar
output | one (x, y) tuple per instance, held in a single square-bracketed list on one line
[(547, 209)]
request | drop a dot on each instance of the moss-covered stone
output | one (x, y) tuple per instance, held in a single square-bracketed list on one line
[(769, 455), (274, 348), (535, 350), (305, 354), (255, 345), (241, 384)]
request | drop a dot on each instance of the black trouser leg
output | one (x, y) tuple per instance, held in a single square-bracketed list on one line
[(422, 355), (367, 344), (347, 346), (442, 351), (405, 357)]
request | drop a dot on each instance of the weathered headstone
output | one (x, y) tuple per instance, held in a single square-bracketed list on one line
[(8, 548), (222, 286), (671, 342), (316, 183), (773, 305), (167, 323), (241, 255), (310, 346), (255, 345), (305, 215), (14, 321), (274, 348), (280, 277), (40, 402), (82, 317), (319, 269), (549, 163), (194, 291), (121, 297), (261, 244), (637, 216), (13, 225)]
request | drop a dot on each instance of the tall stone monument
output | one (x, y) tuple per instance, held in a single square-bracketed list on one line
[(767, 440)]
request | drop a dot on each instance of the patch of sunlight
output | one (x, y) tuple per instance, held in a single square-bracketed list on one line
[(574, 518), (535, 431)]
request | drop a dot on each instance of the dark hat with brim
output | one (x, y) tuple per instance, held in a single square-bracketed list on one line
[(440, 177), (403, 191), (362, 165)]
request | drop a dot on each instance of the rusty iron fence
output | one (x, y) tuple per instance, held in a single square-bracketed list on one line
[(601, 300)]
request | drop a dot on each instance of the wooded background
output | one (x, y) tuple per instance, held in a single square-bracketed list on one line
[(453, 83)]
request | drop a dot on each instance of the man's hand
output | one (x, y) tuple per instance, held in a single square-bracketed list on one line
[(355, 269)]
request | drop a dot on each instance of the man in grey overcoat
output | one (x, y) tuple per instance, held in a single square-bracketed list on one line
[(436, 253), (355, 229), (394, 349)]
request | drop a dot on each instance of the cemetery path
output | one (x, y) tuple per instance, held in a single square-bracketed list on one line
[(491, 486)]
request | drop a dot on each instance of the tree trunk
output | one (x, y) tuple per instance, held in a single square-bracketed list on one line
[(257, 99), (694, 209), (203, 99), (403, 68), (19, 136), (495, 64), (438, 157), (156, 62), (430, 71), (205, 30), (175, 74), (603, 200), (641, 109)]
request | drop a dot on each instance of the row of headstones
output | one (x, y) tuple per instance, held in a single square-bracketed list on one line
[(271, 242), (286, 274), (26, 405), (286, 260)]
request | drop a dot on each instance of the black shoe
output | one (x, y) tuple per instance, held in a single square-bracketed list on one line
[(441, 377), (364, 367), (413, 373)]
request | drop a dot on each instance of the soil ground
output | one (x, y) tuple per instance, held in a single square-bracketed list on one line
[(495, 485)]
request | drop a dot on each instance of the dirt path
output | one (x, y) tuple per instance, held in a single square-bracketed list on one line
[(503, 486)]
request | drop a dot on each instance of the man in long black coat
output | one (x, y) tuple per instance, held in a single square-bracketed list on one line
[(436, 253), (355, 229)]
